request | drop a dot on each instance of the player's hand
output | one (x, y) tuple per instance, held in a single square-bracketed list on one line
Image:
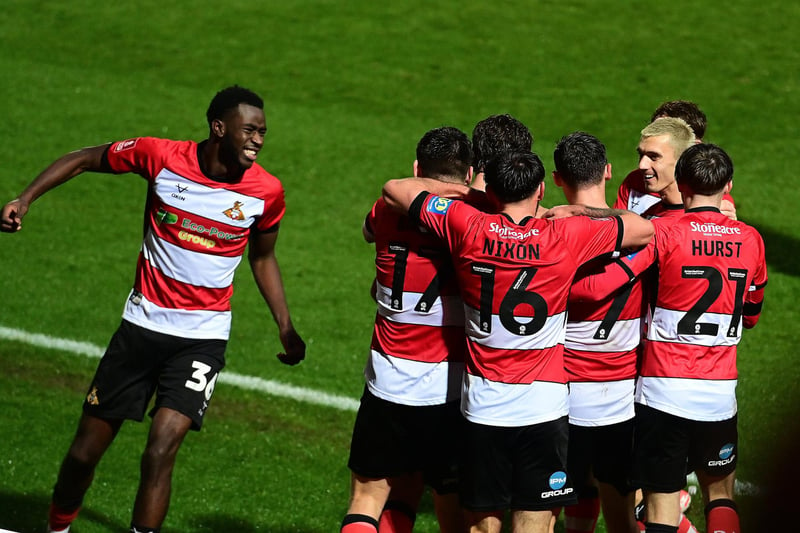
[(728, 209), (563, 211), (295, 348), (11, 216)]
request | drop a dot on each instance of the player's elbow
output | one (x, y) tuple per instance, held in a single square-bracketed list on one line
[(638, 231), (393, 194)]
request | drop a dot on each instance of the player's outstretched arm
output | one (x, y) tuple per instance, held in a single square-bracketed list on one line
[(61, 170), (399, 194), (267, 274)]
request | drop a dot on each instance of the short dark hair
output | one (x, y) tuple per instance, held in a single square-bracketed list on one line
[(580, 159), (230, 98), (688, 111), (444, 153), (498, 134), (514, 176), (704, 169)]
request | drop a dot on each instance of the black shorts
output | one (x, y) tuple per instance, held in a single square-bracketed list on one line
[(601, 451), (138, 362), (667, 447), (517, 468), (391, 440)]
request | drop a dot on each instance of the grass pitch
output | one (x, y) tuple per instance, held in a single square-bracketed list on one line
[(349, 89)]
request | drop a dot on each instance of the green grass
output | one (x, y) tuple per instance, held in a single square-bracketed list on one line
[(349, 89)]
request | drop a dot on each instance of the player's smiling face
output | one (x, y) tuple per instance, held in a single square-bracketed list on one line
[(244, 135), (657, 162)]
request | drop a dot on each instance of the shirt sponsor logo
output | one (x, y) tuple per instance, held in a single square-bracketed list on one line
[(235, 212), (511, 233), (165, 217), (438, 205), (125, 145), (211, 231), (715, 229)]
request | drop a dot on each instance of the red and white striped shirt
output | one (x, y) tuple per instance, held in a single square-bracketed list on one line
[(514, 279), (418, 344), (195, 232), (711, 275)]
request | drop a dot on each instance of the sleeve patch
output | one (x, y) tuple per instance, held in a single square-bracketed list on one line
[(125, 145), (438, 205)]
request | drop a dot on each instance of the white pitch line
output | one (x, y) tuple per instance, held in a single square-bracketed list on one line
[(253, 383)]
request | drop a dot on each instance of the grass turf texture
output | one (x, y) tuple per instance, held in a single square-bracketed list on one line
[(349, 89)]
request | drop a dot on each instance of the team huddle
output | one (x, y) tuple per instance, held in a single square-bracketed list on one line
[(526, 360)]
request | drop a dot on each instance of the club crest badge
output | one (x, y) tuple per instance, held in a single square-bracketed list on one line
[(235, 212)]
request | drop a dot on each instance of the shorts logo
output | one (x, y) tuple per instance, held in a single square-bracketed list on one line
[(557, 482), (726, 451), (235, 212), (91, 398), (726, 456), (125, 145), (438, 205)]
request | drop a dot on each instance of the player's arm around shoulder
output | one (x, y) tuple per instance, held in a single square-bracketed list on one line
[(637, 231), (59, 171), (399, 194)]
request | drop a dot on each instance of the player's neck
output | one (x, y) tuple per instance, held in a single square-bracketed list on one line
[(693, 201), (671, 195), (208, 157), (518, 211), (591, 197)]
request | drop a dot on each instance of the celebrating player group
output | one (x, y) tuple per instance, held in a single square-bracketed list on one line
[(526, 360)]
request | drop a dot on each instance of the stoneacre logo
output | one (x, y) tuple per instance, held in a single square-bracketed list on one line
[(511, 233), (715, 229)]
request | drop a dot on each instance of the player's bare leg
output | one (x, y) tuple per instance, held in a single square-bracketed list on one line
[(92, 439), (400, 510), (449, 513), (367, 498), (484, 522), (663, 507), (618, 509), (167, 432), (532, 521), (721, 512)]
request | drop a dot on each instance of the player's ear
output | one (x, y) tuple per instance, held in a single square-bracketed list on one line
[(218, 128), (557, 179), (468, 178), (416, 168), (541, 191), (607, 172), (728, 187)]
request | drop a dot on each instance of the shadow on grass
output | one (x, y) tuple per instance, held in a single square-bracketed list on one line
[(27, 513), (782, 250)]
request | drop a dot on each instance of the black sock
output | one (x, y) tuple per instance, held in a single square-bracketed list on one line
[(650, 527)]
